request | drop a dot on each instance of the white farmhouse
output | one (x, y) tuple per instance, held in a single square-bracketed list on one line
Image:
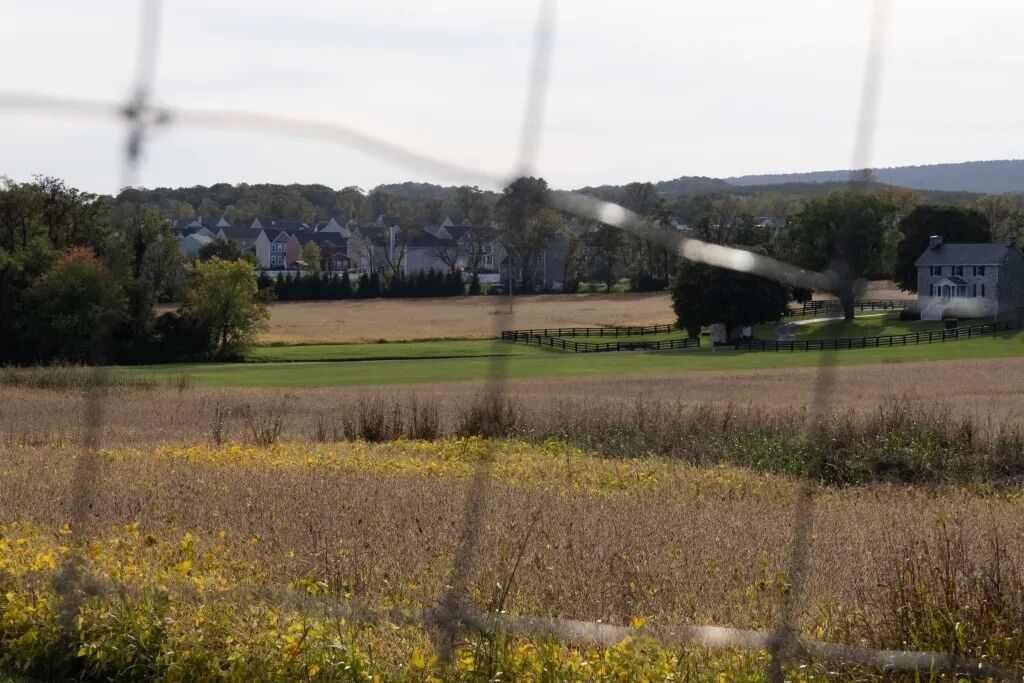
[(979, 280)]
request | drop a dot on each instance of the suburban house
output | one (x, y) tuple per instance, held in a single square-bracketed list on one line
[(479, 248), (271, 249), (189, 245), (244, 237), (288, 226), (331, 245), (334, 226), (207, 226), (379, 248), (384, 246), (975, 280)]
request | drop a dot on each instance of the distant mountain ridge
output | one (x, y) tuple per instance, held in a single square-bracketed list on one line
[(978, 177), (990, 177)]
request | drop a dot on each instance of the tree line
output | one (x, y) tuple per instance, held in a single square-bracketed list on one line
[(80, 277), (81, 274), (318, 286)]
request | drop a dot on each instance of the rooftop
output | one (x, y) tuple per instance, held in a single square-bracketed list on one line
[(964, 254)]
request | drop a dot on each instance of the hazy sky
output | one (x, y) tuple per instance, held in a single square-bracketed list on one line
[(639, 90)]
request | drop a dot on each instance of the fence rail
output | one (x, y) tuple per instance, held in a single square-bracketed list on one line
[(952, 334), (553, 342), (833, 305), (513, 335)]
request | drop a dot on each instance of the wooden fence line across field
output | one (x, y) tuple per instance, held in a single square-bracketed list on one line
[(515, 335), (553, 342), (829, 306), (878, 342)]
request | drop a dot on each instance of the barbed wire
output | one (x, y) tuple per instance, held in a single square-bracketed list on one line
[(452, 613)]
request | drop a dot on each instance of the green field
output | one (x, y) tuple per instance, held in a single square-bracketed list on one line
[(462, 348), (873, 326), (468, 360), (531, 362)]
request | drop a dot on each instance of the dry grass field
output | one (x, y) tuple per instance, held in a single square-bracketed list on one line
[(879, 289), (989, 391), (470, 317), (461, 317), (473, 317)]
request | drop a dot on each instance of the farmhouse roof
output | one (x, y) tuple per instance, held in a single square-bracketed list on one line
[(946, 254)]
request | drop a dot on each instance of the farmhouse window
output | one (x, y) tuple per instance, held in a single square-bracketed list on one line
[(975, 291), (931, 289), (979, 270), (983, 289), (958, 270), (936, 270)]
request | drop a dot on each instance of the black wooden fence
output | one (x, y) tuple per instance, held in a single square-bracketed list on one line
[(879, 342), (554, 338), (515, 335), (834, 306), (589, 347)]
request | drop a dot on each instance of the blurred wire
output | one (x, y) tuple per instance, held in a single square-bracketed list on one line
[(783, 636), (494, 399)]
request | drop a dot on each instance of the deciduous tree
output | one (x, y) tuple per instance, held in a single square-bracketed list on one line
[(221, 300), (843, 232), (950, 222), (703, 295)]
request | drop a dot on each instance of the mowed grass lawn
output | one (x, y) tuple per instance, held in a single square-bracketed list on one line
[(524, 362), (872, 326), (460, 348)]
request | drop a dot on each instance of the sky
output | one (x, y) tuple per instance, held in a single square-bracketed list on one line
[(638, 90)]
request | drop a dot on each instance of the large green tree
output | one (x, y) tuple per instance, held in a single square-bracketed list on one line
[(77, 308), (843, 232), (703, 295), (529, 225), (221, 300), (951, 222)]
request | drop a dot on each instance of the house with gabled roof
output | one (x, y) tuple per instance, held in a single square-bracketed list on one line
[(373, 248), (975, 280), (387, 221), (270, 248), (204, 226), (341, 227), (285, 224), (332, 248), (189, 245), (244, 237)]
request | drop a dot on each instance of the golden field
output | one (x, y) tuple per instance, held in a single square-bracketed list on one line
[(458, 317), (250, 562), (473, 317)]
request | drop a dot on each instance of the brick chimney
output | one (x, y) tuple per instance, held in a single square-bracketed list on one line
[(935, 241)]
